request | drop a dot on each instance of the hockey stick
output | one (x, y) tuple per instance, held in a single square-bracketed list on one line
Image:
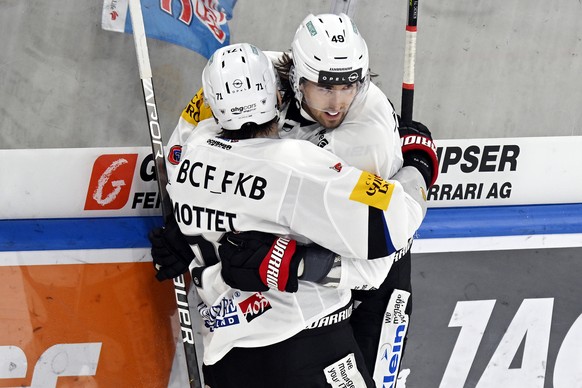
[(409, 61), (145, 73), (395, 322), (346, 6)]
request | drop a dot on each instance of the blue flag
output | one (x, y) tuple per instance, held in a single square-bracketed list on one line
[(200, 25)]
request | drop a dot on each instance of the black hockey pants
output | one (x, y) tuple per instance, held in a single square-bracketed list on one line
[(296, 362), (366, 320)]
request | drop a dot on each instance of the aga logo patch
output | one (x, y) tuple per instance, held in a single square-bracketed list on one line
[(373, 191)]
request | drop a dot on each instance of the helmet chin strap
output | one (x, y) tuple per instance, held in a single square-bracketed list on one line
[(294, 80), (303, 112)]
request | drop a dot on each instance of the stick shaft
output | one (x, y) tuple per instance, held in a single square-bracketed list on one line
[(155, 132), (409, 62), (346, 6)]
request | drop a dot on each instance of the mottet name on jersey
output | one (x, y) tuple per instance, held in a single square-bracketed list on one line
[(204, 218)]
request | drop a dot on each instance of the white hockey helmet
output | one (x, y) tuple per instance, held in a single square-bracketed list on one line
[(328, 49), (240, 86)]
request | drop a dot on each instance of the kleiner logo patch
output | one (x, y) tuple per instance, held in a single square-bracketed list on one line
[(110, 182), (255, 306), (391, 357)]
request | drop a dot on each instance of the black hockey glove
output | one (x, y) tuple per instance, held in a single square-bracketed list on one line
[(419, 151), (171, 252), (257, 261)]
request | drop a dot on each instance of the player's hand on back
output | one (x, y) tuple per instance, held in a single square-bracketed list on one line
[(257, 261)]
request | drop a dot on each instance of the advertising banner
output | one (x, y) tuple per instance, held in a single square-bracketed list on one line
[(78, 182), (508, 171), (106, 182), (85, 325)]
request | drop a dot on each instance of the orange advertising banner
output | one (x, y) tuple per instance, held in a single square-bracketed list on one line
[(85, 325)]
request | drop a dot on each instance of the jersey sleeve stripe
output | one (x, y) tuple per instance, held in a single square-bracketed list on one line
[(379, 240)]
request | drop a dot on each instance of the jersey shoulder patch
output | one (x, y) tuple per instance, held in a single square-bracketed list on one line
[(196, 110), (373, 191)]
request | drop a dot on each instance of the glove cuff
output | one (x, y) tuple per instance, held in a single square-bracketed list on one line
[(418, 145), (275, 270), (318, 263), (197, 276)]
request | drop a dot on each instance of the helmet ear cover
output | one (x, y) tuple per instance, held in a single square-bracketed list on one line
[(240, 86)]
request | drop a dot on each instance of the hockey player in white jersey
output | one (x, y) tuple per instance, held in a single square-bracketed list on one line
[(354, 120), (331, 102), (239, 180)]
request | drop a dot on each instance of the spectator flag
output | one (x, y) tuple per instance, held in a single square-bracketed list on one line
[(200, 25)]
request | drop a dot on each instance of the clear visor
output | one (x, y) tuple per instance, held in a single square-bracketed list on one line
[(330, 98)]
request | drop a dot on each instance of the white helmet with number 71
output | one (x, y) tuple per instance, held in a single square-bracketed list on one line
[(240, 86)]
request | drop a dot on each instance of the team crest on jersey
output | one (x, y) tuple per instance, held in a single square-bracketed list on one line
[(174, 154), (255, 306), (293, 118), (372, 191)]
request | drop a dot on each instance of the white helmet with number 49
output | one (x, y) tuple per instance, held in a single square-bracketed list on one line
[(328, 49), (240, 86)]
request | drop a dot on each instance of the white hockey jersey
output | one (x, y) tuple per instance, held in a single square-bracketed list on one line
[(292, 188), (368, 137)]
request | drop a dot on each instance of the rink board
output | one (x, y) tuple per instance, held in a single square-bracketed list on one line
[(105, 325), (78, 281), (496, 319)]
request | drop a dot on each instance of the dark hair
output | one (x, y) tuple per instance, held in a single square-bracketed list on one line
[(249, 130), (283, 67)]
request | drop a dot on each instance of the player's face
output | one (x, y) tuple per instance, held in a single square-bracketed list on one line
[(328, 104)]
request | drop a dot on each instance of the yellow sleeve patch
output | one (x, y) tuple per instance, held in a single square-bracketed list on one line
[(373, 191), (196, 110)]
